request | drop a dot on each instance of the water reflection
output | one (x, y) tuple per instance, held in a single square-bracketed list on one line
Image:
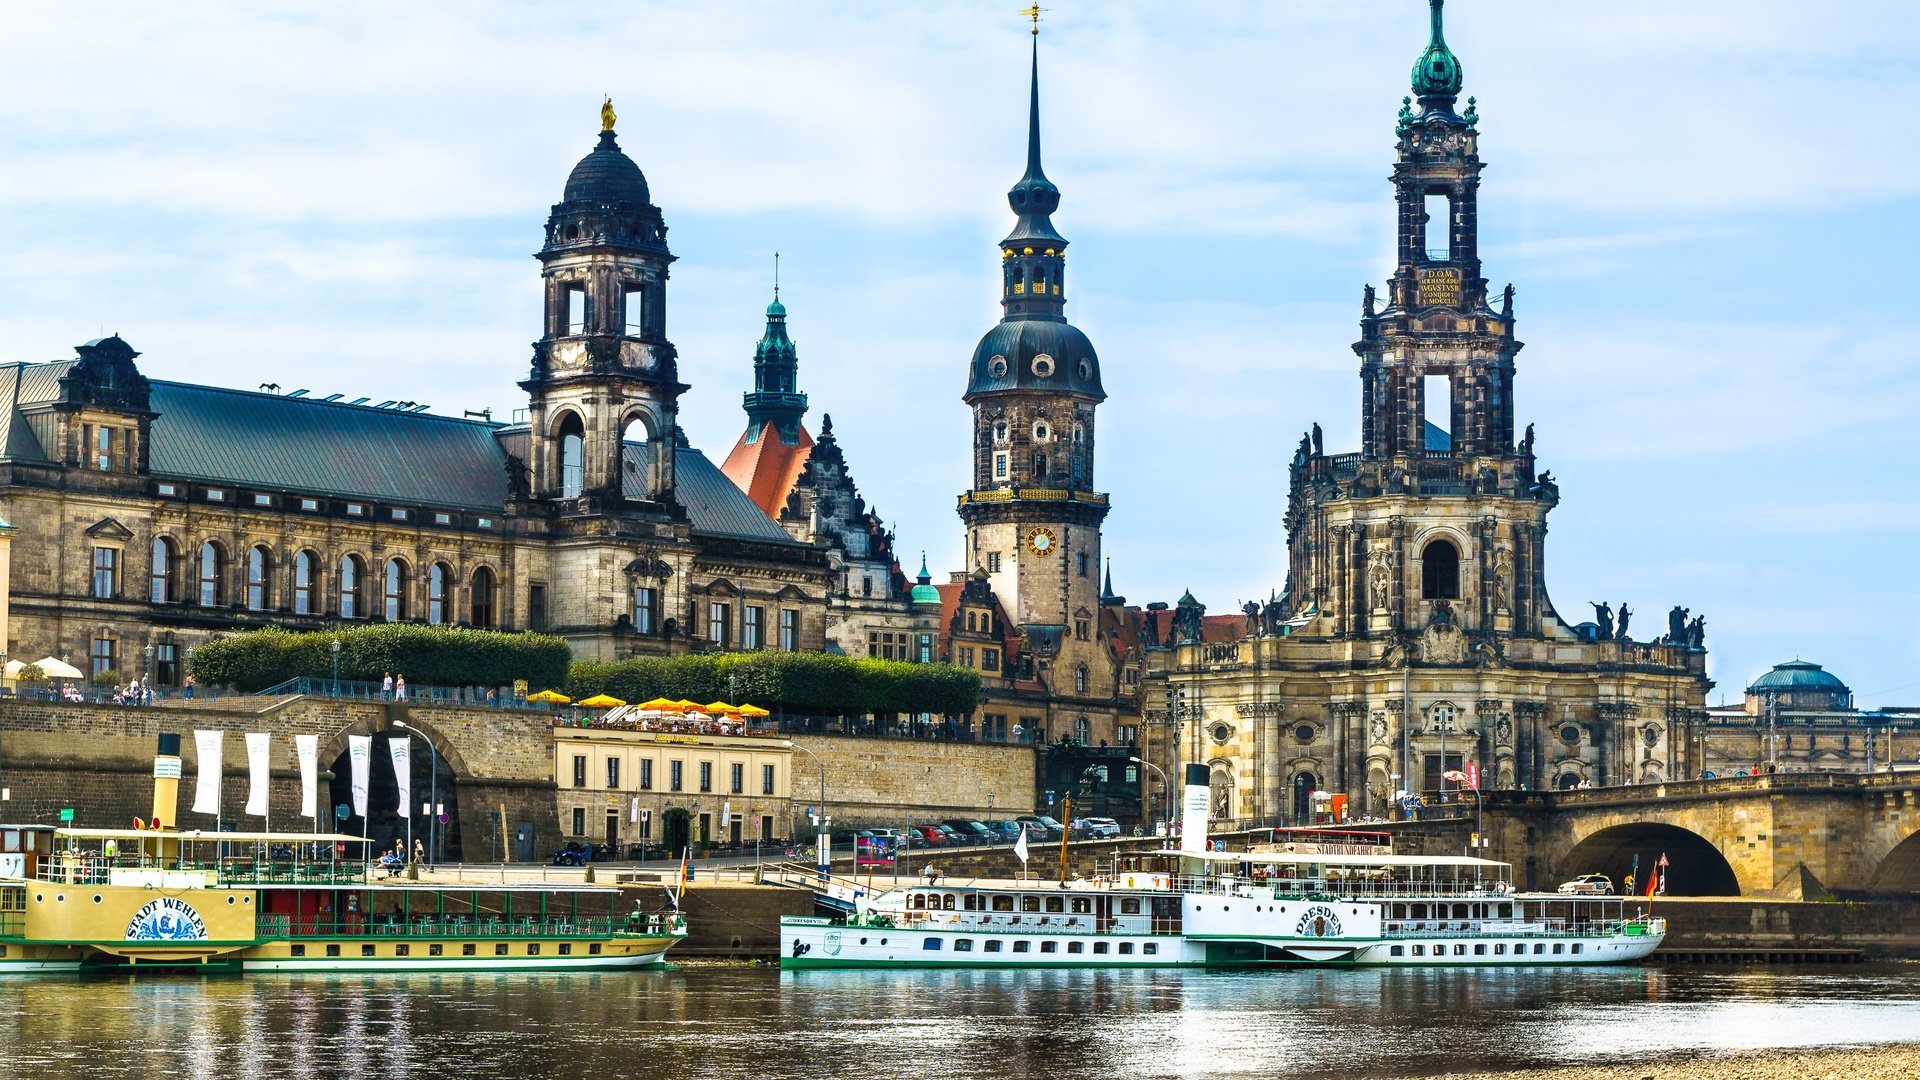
[(748, 1022)]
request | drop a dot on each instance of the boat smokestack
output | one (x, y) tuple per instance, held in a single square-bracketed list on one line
[(166, 781), (1193, 810)]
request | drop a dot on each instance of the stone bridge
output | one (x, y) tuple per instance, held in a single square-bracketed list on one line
[(1791, 835)]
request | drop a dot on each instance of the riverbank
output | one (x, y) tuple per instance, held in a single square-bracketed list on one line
[(1855, 1063)]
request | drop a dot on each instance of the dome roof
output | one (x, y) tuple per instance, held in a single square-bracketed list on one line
[(1009, 358), (606, 176), (1797, 675), (925, 594)]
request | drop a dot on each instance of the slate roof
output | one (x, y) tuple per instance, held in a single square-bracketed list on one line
[(714, 506)]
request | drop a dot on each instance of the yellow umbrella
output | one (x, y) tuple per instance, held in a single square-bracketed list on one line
[(721, 708), (690, 706), (550, 697), (754, 711), (661, 704), (600, 701)]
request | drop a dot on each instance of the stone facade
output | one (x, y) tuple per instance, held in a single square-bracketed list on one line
[(891, 783), (622, 788), (1415, 637)]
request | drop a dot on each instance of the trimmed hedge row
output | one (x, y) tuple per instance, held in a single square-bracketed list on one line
[(426, 655), (807, 682)]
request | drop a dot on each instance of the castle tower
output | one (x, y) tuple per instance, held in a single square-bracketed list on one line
[(776, 398), (1032, 516), (603, 363)]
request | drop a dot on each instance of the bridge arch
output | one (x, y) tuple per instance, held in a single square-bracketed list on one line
[(1695, 866), (1899, 871)]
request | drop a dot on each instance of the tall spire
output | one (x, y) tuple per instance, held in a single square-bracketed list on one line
[(1033, 250), (776, 398), (1436, 75)]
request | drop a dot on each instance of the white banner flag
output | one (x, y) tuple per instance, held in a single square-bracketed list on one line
[(258, 745), (726, 814), (402, 751), (633, 812), (1020, 846), (206, 791), (360, 761), (307, 747)]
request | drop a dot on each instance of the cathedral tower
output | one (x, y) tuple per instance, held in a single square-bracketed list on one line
[(776, 397), (603, 364), (1032, 516)]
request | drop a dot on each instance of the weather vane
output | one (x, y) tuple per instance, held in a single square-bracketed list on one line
[(607, 116), (1033, 12)]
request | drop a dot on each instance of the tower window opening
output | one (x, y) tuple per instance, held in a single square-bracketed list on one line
[(1437, 390), (573, 471), (636, 310), (1439, 227), (1440, 571), (576, 310)]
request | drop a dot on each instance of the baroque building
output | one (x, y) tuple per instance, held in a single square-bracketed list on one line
[(1799, 717), (1415, 637), (156, 514)]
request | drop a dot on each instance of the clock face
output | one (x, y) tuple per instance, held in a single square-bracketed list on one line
[(1042, 541)]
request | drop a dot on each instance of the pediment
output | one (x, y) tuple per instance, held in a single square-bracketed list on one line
[(109, 529)]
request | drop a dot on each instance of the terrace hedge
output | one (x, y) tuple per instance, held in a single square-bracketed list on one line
[(806, 682), (426, 655)]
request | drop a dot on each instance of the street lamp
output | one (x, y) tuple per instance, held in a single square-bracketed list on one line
[(1166, 791), (335, 648), (822, 851), (433, 798), (148, 654)]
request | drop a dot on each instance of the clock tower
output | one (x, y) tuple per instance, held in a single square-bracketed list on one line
[(1032, 516)]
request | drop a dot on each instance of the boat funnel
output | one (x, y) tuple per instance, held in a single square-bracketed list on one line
[(166, 781), (1193, 810)]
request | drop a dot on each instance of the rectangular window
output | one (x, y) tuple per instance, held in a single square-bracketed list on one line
[(931, 944), (263, 500), (103, 449), (1438, 390), (1082, 560), (963, 945), (356, 510), (613, 772), (1023, 946), (1000, 465), (309, 504), (102, 655), (483, 523), (993, 946), (990, 659), (766, 779), (443, 519), (750, 622), (576, 311), (646, 774), (579, 821), (636, 309), (579, 770), (216, 495), (1099, 947), (399, 514), (993, 562), (737, 775), (676, 775), (1126, 948), (1151, 948), (789, 631), (536, 606), (168, 489), (1049, 946), (718, 616), (106, 573), (706, 828), (166, 664), (706, 776), (646, 604), (1076, 947), (1439, 227)]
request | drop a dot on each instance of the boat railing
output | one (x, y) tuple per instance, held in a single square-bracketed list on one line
[(1528, 928), (1283, 888), (298, 928), (94, 869)]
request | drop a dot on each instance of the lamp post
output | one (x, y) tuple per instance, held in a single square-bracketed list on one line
[(433, 798), (335, 649), (1166, 786), (147, 653), (824, 823)]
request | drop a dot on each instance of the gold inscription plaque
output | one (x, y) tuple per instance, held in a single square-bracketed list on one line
[(1440, 288)]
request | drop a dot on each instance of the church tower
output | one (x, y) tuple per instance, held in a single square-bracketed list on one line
[(603, 363), (776, 397), (1032, 516)]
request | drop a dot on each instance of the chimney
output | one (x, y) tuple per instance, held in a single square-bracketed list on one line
[(1193, 810), (166, 781)]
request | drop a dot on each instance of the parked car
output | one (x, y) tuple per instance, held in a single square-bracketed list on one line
[(1099, 828), (935, 835), (971, 832), (574, 853), (1041, 827), (1004, 832), (1597, 884)]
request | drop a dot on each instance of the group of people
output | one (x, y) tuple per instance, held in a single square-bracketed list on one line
[(393, 687), (137, 692), (395, 861), (670, 723)]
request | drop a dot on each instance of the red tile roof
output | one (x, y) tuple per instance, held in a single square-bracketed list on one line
[(766, 469)]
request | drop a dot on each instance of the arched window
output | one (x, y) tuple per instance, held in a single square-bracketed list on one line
[(259, 564), (1440, 571), (483, 598), (395, 591), (1080, 678), (161, 589), (1083, 731), (353, 579), (212, 563), (573, 462), (306, 567), (437, 576)]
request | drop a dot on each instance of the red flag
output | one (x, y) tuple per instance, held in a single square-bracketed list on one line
[(1473, 775), (1653, 880)]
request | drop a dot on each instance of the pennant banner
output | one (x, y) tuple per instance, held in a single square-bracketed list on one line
[(206, 791), (307, 747), (402, 751), (258, 746), (360, 761)]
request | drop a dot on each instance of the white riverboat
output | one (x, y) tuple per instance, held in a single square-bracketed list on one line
[(1306, 903)]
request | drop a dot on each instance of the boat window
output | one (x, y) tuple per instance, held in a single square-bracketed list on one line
[(500, 949), (1500, 949), (1558, 948), (437, 949), (1419, 950), (1003, 903), (533, 950), (946, 902), (1076, 946), (1056, 903), (1126, 948), (972, 902), (916, 901), (298, 950), (1538, 948), (1419, 911), (1480, 949), (1130, 905), (1099, 947), (1082, 905), (1459, 950), (1022, 946), (993, 946), (1150, 948), (1029, 903), (963, 945), (1577, 946), (1049, 946), (931, 944), (1460, 911), (1399, 950), (333, 950), (566, 948), (467, 949), (403, 950)]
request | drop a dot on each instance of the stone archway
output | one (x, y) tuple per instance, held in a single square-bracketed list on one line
[(1300, 802), (435, 777), (1899, 871), (1695, 866)]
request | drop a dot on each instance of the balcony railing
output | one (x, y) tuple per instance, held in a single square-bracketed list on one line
[(440, 927)]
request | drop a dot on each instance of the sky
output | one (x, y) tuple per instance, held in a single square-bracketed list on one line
[(1704, 209)]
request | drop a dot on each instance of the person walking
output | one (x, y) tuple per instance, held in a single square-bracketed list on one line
[(399, 688), (386, 685), (419, 850)]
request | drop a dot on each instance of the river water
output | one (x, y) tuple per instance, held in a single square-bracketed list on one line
[(699, 1021)]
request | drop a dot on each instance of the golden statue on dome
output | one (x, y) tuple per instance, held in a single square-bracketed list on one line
[(607, 116)]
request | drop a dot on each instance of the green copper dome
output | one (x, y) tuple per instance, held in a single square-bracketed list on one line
[(1437, 73), (1797, 675)]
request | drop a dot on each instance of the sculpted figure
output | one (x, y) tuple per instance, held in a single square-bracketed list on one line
[(1603, 615), (1625, 613)]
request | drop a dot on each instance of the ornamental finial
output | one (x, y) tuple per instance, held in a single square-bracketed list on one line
[(607, 116), (1033, 12)]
